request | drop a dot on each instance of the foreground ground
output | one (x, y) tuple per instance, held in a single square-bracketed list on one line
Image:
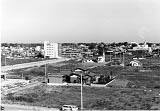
[(144, 95), (93, 97), (16, 107)]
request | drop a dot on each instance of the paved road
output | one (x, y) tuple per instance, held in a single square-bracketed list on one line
[(16, 107), (32, 64)]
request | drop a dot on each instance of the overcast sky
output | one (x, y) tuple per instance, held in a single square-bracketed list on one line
[(30, 21)]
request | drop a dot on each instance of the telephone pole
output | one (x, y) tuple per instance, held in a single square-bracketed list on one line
[(123, 59), (110, 56), (46, 73), (22, 75), (5, 61), (81, 92)]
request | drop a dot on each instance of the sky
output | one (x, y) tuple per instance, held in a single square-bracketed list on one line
[(34, 21)]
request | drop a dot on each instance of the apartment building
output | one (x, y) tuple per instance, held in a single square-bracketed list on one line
[(51, 50), (71, 53)]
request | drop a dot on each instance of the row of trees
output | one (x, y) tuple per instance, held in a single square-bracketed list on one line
[(21, 44)]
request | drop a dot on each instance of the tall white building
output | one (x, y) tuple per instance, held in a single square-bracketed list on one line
[(50, 49)]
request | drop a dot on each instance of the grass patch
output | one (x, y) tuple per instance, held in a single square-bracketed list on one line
[(94, 98)]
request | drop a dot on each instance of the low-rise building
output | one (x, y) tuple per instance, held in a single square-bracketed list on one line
[(57, 79), (71, 53)]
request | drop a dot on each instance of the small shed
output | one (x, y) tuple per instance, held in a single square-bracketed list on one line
[(55, 79)]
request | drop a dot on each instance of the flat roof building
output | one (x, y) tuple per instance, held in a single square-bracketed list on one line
[(51, 49)]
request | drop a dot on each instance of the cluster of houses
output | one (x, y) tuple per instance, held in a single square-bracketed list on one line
[(21, 52), (88, 77), (77, 50)]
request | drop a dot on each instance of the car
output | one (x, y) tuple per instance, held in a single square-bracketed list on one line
[(69, 108), (2, 108)]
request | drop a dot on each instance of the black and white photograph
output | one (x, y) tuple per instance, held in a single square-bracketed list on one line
[(80, 55)]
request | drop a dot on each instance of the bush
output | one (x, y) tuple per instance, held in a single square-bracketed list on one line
[(157, 87), (27, 78), (20, 98)]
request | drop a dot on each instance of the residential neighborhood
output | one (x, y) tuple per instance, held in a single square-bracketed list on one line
[(87, 66), (80, 55)]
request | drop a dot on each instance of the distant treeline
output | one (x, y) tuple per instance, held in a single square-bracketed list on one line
[(91, 45), (21, 44)]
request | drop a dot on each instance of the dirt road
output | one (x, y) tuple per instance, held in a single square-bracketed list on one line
[(32, 64), (16, 107)]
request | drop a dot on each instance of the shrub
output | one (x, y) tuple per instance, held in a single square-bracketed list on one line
[(27, 78), (157, 87)]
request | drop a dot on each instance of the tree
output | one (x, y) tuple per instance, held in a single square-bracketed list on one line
[(125, 43), (39, 55), (27, 78), (92, 45)]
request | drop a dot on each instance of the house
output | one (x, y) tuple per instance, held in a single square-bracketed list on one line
[(135, 63), (71, 53), (89, 78), (101, 59), (75, 76), (87, 60), (81, 70), (143, 46), (102, 79)]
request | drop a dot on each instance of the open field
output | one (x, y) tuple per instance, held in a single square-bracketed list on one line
[(127, 72), (93, 98), (12, 61), (57, 68), (143, 79)]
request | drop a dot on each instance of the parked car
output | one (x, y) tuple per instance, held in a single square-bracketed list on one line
[(2, 108), (69, 108)]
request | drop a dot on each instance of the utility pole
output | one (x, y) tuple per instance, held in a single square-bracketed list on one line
[(110, 56), (81, 92), (46, 73), (104, 57), (22, 75), (5, 60), (123, 59)]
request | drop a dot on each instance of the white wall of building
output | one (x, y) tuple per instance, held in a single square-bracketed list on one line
[(50, 49)]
